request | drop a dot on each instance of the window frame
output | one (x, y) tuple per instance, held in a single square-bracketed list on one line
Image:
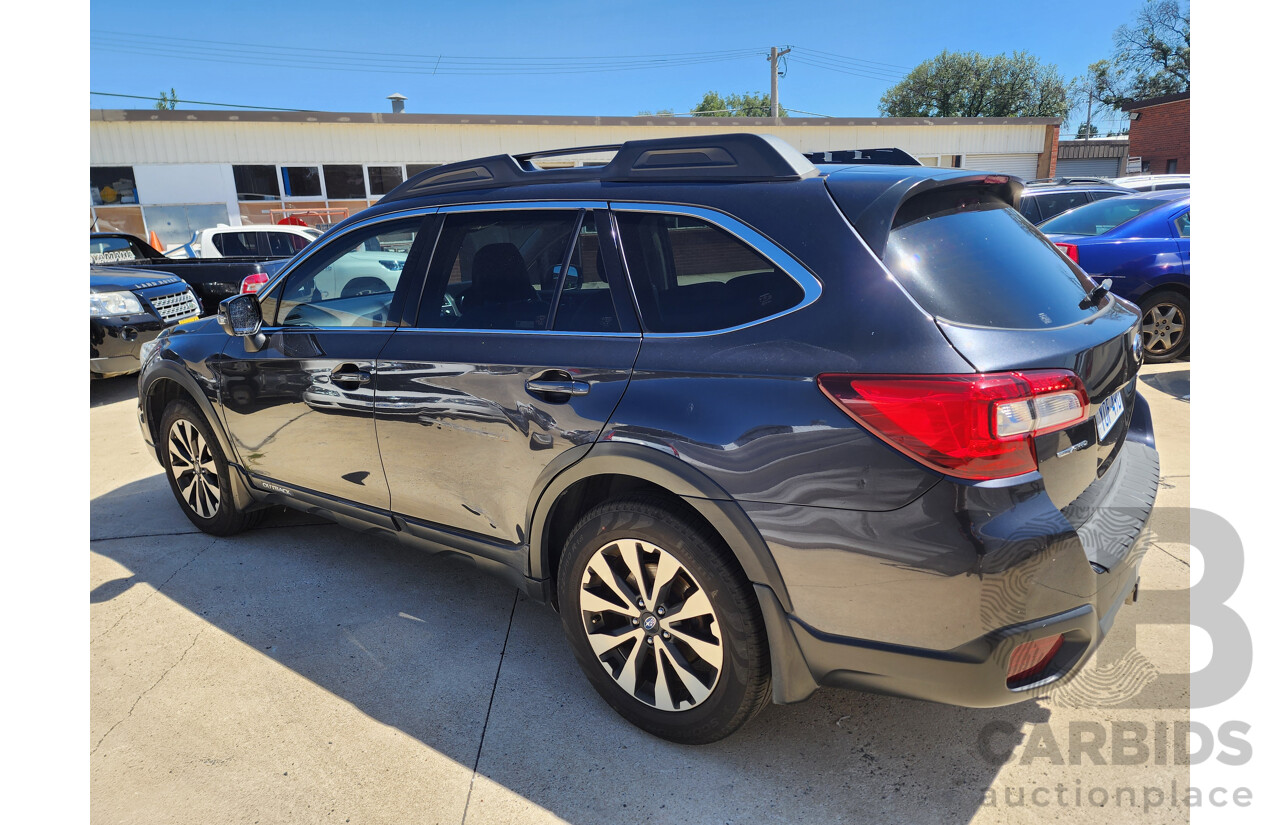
[(623, 300), (808, 282)]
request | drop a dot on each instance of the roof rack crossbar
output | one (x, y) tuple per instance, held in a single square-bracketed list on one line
[(739, 157)]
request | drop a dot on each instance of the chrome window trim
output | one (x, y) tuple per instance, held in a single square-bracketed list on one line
[(764, 247)]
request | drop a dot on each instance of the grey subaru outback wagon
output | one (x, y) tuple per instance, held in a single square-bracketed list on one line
[(750, 425)]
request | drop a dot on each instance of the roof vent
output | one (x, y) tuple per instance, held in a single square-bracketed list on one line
[(397, 103)]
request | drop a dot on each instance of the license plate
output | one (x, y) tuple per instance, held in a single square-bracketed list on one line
[(189, 320), (1109, 413)]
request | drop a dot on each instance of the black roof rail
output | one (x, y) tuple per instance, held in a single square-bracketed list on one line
[(1070, 180), (733, 157), (886, 156)]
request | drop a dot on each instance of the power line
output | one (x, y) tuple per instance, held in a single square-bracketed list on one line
[(868, 74), (201, 102), (331, 65), (326, 51), (843, 58)]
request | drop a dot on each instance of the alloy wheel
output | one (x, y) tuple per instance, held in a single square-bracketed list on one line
[(1162, 328), (651, 625), (194, 470)]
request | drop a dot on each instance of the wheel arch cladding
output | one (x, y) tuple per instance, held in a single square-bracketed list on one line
[(613, 470)]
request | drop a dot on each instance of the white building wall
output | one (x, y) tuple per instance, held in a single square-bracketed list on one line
[(164, 142)]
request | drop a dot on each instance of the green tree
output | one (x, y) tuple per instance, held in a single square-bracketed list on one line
[(735, 105), (169, 101), (1153, 54), (969, 84), (1092, 131)]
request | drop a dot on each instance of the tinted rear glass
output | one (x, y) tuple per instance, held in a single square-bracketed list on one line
[(1099, 216), (969, 258)]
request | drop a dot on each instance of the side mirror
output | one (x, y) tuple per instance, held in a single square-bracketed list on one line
[(241, 316)]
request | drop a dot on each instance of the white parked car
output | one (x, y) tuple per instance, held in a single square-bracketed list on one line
[(280, 241), (1154, 183)]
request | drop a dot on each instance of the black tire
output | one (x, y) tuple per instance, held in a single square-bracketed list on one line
[(198, 473), (1166, 326), (739, 687)]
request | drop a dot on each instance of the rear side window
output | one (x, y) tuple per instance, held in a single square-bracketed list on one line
[(969, 258), (1100, 216), (690, 276), (232, 244), (284, 243), (1055, 203)]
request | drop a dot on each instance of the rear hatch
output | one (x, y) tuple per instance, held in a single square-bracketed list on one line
[(1008, 300)]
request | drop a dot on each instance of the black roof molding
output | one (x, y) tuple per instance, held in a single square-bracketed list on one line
[(733, 157), (889, 156)]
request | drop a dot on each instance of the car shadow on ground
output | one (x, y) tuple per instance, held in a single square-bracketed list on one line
[(103, 391), (1176, 383), (415, 640)]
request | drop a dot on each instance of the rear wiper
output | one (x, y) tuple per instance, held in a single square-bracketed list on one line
[(1095, 297)]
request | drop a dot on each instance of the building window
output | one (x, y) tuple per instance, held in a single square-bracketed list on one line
[(111, 185), (346, 181), (382, 179), (415, 168), (1171, 167), (301, 181), (256, 183)]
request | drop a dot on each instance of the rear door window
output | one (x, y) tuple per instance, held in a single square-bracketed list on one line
[(969, 258), (691, 276), (1055, 203)]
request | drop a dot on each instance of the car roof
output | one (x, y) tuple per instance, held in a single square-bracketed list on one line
[(1051, 189)]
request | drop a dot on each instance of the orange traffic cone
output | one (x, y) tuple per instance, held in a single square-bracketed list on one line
[(155, 242)]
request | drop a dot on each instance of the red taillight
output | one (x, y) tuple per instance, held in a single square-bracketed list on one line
[(977, 426), (1072, 251), (254, 282), (1029, 658)]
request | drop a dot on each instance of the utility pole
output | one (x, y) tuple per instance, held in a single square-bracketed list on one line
[(774, 54), (1088, 117)]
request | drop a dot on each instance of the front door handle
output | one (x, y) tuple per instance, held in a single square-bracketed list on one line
[(350, 374), (558, 387)]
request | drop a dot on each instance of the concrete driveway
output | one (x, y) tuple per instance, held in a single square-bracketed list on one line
[(305, 673)]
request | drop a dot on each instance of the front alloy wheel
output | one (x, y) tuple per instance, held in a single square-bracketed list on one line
[(651, 625), (199, 475), (193, 468)]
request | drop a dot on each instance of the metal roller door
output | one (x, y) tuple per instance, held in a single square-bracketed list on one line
[(1097, 167), (1024, 166)]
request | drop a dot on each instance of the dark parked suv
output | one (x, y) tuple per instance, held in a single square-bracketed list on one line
[(750, 425)]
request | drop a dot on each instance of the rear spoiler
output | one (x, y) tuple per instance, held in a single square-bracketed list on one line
[(871, 205)]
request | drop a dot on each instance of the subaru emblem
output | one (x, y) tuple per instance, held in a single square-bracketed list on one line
[(650, 622)]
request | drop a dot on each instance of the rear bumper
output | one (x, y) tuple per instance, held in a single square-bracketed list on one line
[(1038, 563)]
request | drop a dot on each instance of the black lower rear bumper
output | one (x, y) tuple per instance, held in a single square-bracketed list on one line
[(975, 674)]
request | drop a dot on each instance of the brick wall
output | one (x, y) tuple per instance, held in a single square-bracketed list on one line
[(1163, 133), (1047, 165)]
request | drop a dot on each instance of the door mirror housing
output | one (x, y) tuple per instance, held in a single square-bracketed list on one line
[(241, 316)]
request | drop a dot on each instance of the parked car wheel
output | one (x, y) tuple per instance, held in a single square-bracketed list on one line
[(1166, 326), (663, 622), (198, 472)]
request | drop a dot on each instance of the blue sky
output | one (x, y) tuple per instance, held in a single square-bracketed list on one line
[(320, 55)]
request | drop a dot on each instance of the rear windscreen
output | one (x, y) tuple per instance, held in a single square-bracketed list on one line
[(968, 257), (1101, 216)]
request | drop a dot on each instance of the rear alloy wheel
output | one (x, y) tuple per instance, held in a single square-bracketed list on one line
[(663, 622), (1166, 327), (198, 472)]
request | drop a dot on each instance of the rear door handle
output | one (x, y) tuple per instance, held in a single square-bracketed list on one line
[(558, 387)]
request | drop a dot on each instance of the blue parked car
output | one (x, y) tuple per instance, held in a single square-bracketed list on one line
[(1142, 243)]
